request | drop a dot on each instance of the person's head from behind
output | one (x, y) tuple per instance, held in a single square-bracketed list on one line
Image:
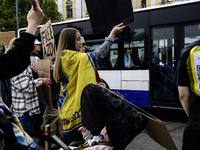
[(69, 39), (11, 45), (83, 45)]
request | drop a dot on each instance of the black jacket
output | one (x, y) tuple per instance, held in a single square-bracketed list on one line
[(18, 58), (101, 108)]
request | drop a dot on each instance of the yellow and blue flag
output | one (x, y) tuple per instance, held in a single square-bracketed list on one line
[(79, 71), (21, 136)]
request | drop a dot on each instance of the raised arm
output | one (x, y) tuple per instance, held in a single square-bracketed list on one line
[(105, 47), (34, 19), (117, 29), (18, 58)]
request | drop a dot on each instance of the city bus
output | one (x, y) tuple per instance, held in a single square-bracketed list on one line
[(155, 40)]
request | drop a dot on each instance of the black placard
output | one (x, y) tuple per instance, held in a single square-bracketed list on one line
[(105, 14)]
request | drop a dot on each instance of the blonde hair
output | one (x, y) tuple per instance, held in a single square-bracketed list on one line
[(10, 46), (66, 40), (82, 39)]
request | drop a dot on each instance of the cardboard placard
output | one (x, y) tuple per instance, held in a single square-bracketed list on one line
[(47, 37), (43, 70), (34, 61), (6, 37), (157, 130)]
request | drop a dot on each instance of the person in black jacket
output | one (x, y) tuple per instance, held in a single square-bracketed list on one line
[(189, 99), (15, 61), (18, 59)]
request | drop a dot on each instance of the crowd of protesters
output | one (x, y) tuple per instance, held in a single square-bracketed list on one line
[(68, 71), (23, 81)]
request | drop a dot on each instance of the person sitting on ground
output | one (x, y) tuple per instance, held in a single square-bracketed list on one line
[(101, 142)]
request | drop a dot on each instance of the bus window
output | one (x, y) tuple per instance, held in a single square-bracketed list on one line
[(191, 34), (109, 62), (134, 49)]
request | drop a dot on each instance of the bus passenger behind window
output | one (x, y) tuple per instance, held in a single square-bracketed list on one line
[(128, 61)]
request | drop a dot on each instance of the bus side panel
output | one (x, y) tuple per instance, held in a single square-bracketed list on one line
[(112, 77), (133, 84), (136, 97), (135, 79)]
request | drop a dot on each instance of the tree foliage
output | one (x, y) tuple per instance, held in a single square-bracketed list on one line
[(8, 21), (50, 9)]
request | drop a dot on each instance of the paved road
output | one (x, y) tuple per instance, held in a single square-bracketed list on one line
[(174, 121)]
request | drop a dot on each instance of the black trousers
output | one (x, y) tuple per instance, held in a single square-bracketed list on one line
[(191, 136), (93, 110)]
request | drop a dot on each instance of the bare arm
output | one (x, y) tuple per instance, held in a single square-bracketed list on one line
[(34, 18), (86, 133), (117, 29), (105, 47), (184, 96)]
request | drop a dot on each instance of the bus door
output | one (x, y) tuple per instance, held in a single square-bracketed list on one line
[(164, 58), (162, 70)]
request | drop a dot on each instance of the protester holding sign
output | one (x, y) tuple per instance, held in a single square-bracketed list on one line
[(37, 48), (17, 59), (35, 56), (75, 70)]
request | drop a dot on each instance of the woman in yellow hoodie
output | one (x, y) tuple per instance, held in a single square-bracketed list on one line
[(75, 70)]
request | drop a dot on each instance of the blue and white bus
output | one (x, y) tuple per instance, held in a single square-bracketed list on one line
[(155, 40)]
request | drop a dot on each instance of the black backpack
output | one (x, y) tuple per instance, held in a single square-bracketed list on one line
[(5, 91)]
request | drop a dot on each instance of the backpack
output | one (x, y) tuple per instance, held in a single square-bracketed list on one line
[(5, 91), (193, 68)]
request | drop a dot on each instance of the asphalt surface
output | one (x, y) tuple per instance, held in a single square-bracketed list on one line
[(174, 121)]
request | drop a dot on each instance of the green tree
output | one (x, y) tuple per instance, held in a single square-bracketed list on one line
[(50, 9), (8, 13)]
